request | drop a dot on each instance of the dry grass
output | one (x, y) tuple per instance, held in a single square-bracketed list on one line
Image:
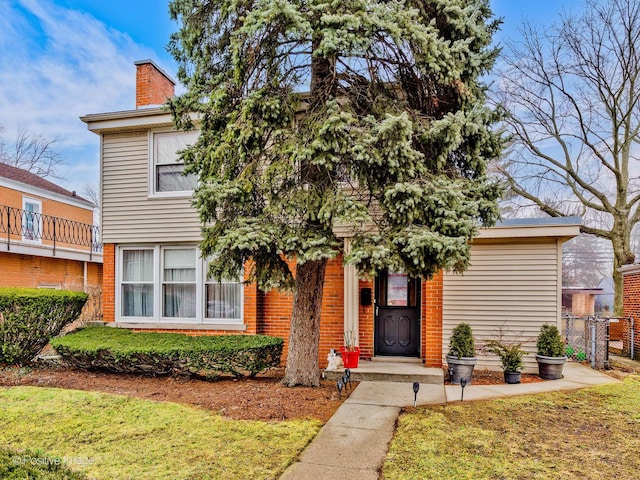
[(584, 434), (118, 437)]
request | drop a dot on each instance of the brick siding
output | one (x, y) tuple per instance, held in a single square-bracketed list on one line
[(269, 313), (631, 308)]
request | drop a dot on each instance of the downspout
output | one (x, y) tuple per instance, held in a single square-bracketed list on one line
[(350, 284)]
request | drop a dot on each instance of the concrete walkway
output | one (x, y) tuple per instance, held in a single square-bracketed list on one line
[(353, 443)]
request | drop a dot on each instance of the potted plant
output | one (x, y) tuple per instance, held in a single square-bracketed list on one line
[(462, 354), (550, 357), (350, 353), (510, 358)]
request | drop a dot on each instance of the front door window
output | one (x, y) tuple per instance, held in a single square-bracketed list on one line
[(397, 290)]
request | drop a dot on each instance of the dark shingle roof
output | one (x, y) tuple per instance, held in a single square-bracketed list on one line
[(28, 178)]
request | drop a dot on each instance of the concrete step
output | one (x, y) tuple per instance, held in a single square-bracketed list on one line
[(397, 360), (390, 372)]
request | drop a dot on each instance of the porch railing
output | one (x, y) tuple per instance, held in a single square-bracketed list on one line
[(18, 225)]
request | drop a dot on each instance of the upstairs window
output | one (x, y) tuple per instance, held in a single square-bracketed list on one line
[(167, 168), (31, 220)]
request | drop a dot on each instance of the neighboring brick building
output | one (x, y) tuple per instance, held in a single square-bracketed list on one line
[(47, 236), (579, 301), (631, 308), (155, 278)]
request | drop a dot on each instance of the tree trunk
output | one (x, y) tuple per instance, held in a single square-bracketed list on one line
[(304, 334), (622, 255)]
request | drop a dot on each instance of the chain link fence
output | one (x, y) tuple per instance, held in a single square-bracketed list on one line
[(590, 338)]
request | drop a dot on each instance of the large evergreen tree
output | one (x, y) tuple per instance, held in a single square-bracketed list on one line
[(316, 114)]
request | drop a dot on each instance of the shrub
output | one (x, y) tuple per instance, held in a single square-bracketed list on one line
[(461, 343), (510, 355), (26, 465), (550, 343), (30, 317), (120, 350)]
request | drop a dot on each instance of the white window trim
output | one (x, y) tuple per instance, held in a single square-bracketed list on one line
[(152, 193), (118, 289), (159, 321), (163, 282), (37, 202)]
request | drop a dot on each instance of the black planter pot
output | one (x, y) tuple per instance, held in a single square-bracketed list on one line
[(550, 368), (461, 368), (512, 377)]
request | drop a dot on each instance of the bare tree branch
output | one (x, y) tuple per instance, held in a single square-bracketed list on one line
[(33, 152), (573, 103)]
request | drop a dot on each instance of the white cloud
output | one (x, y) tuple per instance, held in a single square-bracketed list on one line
[(57, 65)]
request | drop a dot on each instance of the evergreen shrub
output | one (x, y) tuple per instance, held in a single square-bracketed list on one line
[(30, 317), (124, 351), (550, 343), (461, 343)]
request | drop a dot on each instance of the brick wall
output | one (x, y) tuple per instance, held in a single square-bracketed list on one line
[(432, 321), (31, 271), (583, 304), (275, 308), (631, 308), (269, 313), (108, 282), (153, 86), (18, 270)]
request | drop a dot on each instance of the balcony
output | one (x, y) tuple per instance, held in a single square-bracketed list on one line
[(28, 232)]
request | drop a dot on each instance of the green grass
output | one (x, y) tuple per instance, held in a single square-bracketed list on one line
[(118, 437), (584, 434), (23, 465)]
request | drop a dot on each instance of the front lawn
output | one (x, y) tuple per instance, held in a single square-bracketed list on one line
[(584, 434), (117, 437)]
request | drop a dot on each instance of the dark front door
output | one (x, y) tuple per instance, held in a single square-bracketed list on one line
[(397, 322)]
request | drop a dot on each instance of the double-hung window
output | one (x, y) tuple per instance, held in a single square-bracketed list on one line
[(137, 283), (179, 282), (223, 299), (167, 169)]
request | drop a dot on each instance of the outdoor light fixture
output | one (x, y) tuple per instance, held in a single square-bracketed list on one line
[(450, 372), (347, 372), (344, 381), (340, 385), (463, 383), (416, 387)]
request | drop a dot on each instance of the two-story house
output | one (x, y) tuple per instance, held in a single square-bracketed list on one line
[(155, 278), (47, 235)]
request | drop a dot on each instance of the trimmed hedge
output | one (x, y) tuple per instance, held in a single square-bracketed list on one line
[(30, 317), (124, 351), (32, 465)]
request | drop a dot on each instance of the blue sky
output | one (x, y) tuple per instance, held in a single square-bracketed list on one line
[(62, 59)]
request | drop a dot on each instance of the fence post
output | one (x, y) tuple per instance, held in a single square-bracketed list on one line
[(593, 344)]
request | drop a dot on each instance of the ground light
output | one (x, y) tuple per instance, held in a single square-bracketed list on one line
[(463, 383)]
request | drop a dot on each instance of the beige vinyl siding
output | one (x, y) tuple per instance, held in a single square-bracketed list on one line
[(513, 287), (128, 214)]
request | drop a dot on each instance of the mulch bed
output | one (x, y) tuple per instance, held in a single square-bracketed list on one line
[(260, 398), (490, 377)]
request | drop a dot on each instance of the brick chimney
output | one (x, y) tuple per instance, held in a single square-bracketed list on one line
[(153, 85)]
